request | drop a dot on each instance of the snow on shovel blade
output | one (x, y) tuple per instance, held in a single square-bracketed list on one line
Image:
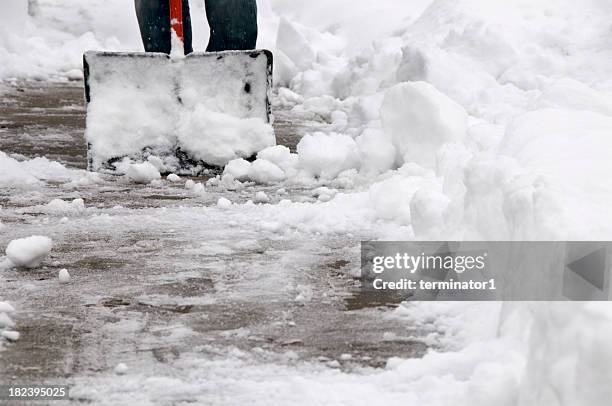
[(194, 112)]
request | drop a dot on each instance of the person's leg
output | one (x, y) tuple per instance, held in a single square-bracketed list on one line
[(154, 21), (233, 24)]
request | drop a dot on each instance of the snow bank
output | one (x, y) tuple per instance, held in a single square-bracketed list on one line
[(29, 252), (420, 120), (562, 154)]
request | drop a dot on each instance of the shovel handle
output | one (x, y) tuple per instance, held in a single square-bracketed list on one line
[(176, 18)]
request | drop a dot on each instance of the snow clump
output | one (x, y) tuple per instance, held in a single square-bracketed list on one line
[(143, 173), (29, 252)]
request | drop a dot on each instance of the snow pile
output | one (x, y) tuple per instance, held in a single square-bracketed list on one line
[(420, 120), (572, 368), (30, 173), (29, 252), (50, 42), (499, 109)]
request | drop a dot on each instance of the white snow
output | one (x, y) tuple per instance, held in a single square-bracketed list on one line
[(224, 203), (121, 369), (239, 169), (217, 138), (448, 119), (142, 173), (173, 178), (6, 323), (419, 119), (64, 276), (261, 197), (32, 173), (327, 155), (10, 335), (198, 189), (6, 308), (29, 252), (59, 207), (263, 171)]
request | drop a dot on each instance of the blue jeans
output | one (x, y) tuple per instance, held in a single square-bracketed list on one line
[(233, 25)]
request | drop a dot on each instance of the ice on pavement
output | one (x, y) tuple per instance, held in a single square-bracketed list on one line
[(29, 252)]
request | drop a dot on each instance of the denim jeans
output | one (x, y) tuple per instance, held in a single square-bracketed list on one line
[(233, 25)]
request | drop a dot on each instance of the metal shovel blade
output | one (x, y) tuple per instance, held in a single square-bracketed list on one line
[(138, 103)]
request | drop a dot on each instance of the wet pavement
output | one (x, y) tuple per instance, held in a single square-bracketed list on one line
[(158, 272)]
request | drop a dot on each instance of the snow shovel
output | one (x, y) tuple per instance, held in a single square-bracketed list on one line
[(185, 114)]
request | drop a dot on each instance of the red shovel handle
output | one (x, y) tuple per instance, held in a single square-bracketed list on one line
[(176, 18)]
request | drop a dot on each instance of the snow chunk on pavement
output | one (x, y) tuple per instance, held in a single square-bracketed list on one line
[(261, 197), (6, 308), (280, 156), (198, 189), (260, 171), (173, 177), (29, 252), (327, 155), (263, 171), (62, 207), (64, 276), (420, 119), (121, 369), (240, 169), (10, 335), (144, 172)]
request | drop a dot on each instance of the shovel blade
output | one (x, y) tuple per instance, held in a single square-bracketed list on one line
[(138, 104)]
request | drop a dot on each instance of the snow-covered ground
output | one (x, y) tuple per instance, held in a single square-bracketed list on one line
[(445, 119)]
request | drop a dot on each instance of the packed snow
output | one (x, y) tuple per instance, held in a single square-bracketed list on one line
[(446, 119), (144, 172), (59, 207), (64, 276), (29, 252)]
